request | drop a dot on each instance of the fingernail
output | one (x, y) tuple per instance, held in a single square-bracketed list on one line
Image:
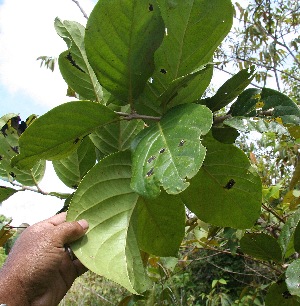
[(84, 224)]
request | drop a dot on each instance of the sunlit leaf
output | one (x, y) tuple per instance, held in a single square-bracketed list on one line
[(72, 169), (109, 248), (59, 132), (230, 90), (226, 191), (121, 38), (160, 224), (73, 63), (286, 238), (169, 151), (292, 277), (116, 136)]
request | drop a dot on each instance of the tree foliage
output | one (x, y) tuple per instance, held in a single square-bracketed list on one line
[(152, 160)]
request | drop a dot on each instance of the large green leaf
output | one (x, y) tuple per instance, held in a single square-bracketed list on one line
[(261, 246), (292, 277), (9, 147), (286, 238), (230, 90), (169, 151), (116, 136), (194, 29), (6, 192), (58, 133), (72, 169), (226, 191), (160, 224), (104, 198), (73, 63), (278, 294), (121, 38), (266, 103)]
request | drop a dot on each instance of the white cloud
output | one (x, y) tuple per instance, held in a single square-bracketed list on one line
[(27, 32)]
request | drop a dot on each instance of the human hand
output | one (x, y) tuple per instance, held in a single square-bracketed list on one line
[(38, 271)]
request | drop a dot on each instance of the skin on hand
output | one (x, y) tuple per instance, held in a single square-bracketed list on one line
[(38, 271)]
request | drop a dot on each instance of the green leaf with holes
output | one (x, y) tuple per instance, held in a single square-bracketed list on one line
[(6, 192), (269, 102), (278, 294), (116, 136), (58, 133), (226, 191), (160, 224), (230, 89), (169, 151), (109, 248), (73, 63), (9, 147), (286, 238), (72, 169), (121, 38), (194, 30), (261, 246), (292, 277)]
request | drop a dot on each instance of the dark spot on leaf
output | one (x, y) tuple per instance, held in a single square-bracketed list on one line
[(4, 129), (1, 157), (14, 122), (164, 71), (286, 295), (12, 175), (75, 186), (181, 143), (76, 140), (162, 150), (230, 184), (150, 172), (150, 7), (15, 149), (152, 158), (22, 127), (72, 61)]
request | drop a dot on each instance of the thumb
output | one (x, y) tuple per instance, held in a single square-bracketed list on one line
[(71, 231)]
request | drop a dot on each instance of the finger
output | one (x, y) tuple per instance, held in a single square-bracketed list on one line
[(68, 232), (57, 219)]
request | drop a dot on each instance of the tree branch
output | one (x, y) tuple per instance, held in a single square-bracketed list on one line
[(274, 213), (23, 188), (81, 9), (131, 116)]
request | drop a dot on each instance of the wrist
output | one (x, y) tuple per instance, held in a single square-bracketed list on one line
[(11, 291)]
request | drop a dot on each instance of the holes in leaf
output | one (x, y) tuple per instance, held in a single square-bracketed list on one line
[(150, 7), (181, 143), (162, 151), (72, 61), (76, 140), (12, 175), (286, 295), (164, 71), (151, 159), (15, 149), (230, 184), (150, 172), (1, 157)]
